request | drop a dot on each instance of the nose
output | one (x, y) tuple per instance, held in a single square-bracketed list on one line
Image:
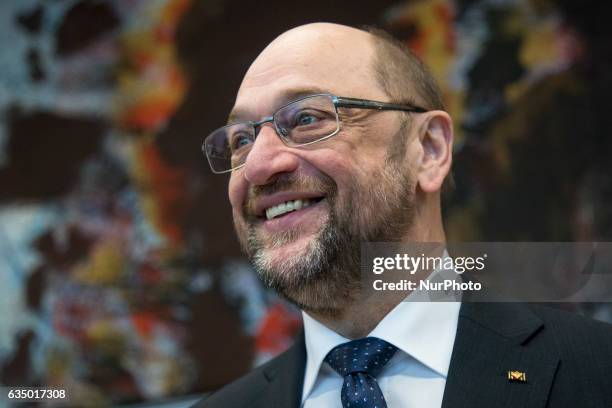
[(268, 158)]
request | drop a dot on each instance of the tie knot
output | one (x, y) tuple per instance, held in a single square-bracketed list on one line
[(368, 355)]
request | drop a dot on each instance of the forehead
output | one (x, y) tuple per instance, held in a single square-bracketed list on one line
[(318, 58)]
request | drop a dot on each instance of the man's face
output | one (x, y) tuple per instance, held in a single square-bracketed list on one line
[(345, 190)]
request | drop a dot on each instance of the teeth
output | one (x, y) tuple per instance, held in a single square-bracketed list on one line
[(286, 207)]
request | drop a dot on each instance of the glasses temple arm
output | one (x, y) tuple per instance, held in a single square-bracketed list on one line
[(367, 104)]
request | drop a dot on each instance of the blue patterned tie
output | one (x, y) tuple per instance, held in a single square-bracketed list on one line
[(359, 362)]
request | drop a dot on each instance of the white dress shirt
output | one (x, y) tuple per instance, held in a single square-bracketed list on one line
[(423, 332)]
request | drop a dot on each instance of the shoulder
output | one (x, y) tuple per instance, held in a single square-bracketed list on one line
[(584, 347), (256, 388), (242, 392), (566, 356), (575, 338), (576, 335)]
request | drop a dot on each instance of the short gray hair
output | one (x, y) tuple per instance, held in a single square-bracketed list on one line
[(401, 74), (405, 78)]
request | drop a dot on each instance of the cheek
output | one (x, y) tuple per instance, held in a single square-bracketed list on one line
[(344, 170), (237, 192), (239, 225), (334, 164), (240, 228), (346, 161)]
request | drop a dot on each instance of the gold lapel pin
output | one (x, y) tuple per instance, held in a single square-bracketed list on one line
[(517, 376)]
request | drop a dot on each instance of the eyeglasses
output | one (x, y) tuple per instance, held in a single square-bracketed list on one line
[(300, 123)]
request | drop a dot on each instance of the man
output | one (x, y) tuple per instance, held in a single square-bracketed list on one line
[(338, 136)]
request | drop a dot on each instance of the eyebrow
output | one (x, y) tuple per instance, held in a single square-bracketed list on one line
[(239, 114)]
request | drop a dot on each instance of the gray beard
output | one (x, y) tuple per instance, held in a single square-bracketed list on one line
[(320, 280), (327, 277)]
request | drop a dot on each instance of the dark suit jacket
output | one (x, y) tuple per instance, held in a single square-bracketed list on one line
[(567, 361)]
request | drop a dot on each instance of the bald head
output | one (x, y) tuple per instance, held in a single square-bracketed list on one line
[(326, 57), (329, 32), (314, 57), (317, 44)]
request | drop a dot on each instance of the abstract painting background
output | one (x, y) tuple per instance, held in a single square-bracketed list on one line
[(120, 277)]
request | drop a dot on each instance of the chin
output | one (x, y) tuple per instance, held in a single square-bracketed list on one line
[(278, 257)]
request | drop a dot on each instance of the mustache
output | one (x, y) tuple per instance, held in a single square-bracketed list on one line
[(288, 182)]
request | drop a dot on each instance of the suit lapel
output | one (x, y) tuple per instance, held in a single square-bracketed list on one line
[(286, 377), (492, 339)]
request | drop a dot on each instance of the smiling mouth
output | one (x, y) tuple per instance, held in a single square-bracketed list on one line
[(287, 207)]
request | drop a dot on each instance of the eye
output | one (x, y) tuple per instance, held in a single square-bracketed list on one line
[(239, 140), (305, 119)]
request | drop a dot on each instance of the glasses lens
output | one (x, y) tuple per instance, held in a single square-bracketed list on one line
[(227, 148), (307, 120)]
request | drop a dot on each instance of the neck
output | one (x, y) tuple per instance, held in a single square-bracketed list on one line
[(359, 317)]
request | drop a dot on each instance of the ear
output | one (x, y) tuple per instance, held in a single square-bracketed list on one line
[(436, 150)]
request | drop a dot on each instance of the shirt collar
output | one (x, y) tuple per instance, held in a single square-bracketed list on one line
[(319, 340), (423, 330)]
